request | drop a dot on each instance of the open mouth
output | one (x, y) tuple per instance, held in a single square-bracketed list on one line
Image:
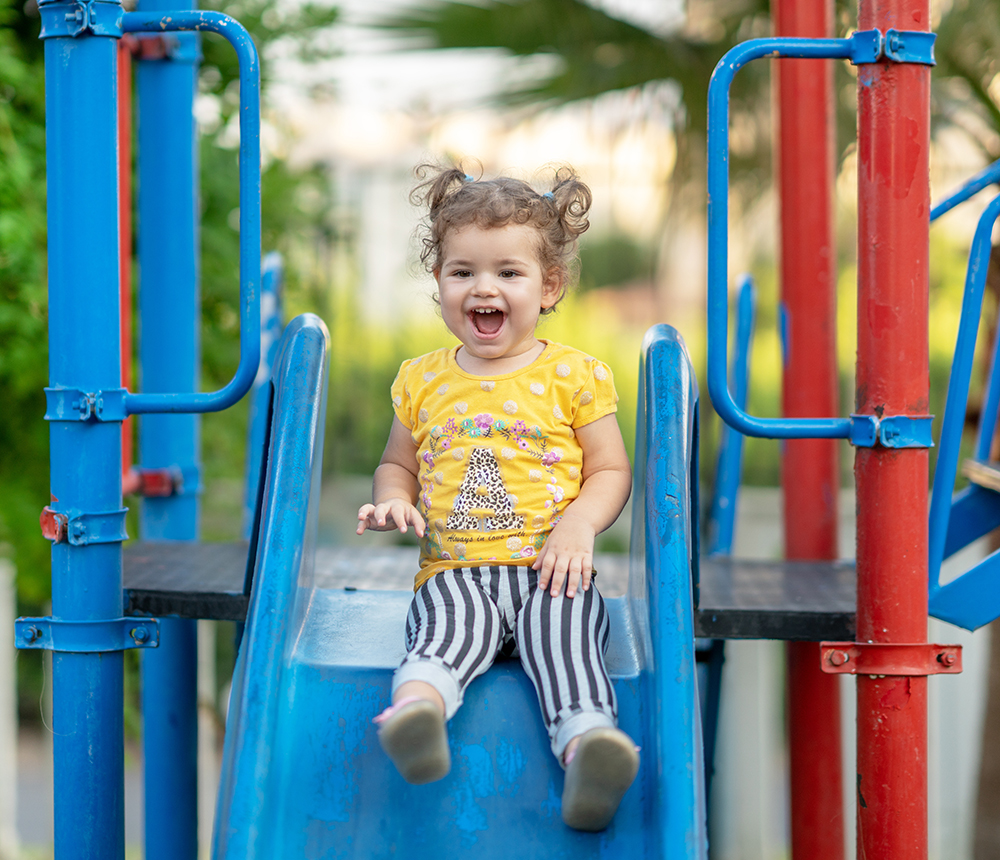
[(487, 321)]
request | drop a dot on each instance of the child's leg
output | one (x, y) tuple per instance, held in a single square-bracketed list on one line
[(562, 643), (453, 632)]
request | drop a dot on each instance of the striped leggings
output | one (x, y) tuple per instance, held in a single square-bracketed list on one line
[(461, 620)]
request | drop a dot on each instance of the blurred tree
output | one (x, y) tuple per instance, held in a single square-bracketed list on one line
[(595, 52)]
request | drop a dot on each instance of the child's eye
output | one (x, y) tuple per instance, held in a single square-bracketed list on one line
[(461, 273), (508, 273)]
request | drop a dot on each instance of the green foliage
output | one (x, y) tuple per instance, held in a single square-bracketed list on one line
[(963, 85), (614, 260), (23, 299)]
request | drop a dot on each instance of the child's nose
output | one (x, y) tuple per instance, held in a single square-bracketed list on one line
[(485, 285)]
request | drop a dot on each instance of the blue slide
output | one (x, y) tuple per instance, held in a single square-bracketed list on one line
[(303, 775)]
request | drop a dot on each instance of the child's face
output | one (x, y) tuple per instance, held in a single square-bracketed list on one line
[(492, 289)]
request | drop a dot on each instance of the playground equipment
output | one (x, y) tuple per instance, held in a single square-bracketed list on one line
[(302, 775)]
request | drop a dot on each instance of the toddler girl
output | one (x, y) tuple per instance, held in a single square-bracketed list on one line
[(506, 459)]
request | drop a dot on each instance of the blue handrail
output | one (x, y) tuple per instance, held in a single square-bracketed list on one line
[(865, 46), (958, 394), (987, 176), (239, 38)]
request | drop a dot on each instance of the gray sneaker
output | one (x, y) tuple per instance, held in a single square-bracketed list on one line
[(413, 735), (602, 768)]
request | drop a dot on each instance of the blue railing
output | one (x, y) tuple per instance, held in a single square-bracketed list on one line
[(963, 606), (861, 47), (246, 372), (986, 177)]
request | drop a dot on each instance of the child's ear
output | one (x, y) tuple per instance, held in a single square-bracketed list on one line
[(552, 287)]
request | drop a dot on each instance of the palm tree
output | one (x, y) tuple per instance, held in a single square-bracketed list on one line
[(598, 53)]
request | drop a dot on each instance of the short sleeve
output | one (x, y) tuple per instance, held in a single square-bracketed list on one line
[(401, 403), (597, 397)]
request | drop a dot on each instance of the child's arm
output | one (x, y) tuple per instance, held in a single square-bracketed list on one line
[(568, 553), (395, 487)]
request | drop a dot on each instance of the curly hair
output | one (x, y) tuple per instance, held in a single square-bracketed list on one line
[(455, 199)]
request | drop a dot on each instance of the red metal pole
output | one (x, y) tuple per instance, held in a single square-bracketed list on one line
[(892, 379), (810, 467)]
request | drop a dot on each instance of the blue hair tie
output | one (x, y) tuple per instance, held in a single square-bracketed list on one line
[(467, 178), (550, 195)]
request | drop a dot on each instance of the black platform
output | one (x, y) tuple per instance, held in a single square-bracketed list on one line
[(795, 600), (186, 579), (738, 599)]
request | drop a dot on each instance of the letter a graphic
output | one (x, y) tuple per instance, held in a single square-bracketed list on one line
[(482, 503)]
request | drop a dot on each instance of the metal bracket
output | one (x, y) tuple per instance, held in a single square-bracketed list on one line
[(866, 47), (178, 47), (80, 528), (897, 46), (169, 481), (889, 658), (909, 46), (99, 17), (79, 637), (891, 431), (53, 524), (74, 404), (158, 483)]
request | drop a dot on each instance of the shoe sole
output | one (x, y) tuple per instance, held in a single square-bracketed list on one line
[(601, 771), (416, 741)]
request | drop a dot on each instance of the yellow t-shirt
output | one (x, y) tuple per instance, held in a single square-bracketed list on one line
[(498, 457)]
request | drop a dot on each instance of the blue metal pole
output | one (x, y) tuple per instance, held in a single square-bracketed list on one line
[(722, 515), (85, 455), (169, 360), (270, 333)]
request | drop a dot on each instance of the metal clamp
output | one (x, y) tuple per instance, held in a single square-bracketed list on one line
[(898, 46), (99, 17), (160, 482), (74, 404), (80, 528), (891, 431), (889, 658), (86, 637), (177, 47), (865, 47), (909, 46)]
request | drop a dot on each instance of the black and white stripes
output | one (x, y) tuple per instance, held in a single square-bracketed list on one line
[(461, 620)]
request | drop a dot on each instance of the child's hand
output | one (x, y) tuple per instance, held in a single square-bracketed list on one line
[(384, 517), (567, 556)]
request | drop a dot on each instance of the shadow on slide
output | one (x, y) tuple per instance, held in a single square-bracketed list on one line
[(303, 774)]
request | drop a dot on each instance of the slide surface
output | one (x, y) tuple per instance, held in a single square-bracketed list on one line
[(303, 775)]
